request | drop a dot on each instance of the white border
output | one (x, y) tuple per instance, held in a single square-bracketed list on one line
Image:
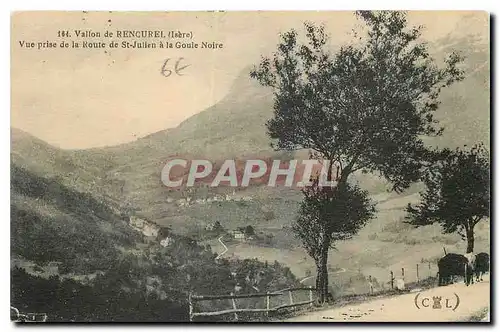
[(140, 5), (149, 5)]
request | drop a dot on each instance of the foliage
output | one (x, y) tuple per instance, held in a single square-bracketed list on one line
[(249, 230), (457, 194), (65, 300), (218, 226), (51, 222), (78, 247), (332, 214), (150, 284), (364, 107), (327, 215), (31, 185)]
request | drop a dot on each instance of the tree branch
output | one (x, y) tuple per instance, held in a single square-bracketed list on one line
[(476, 220)]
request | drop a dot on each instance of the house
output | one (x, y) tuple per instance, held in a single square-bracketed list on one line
[(239, 235), (136, 222), (145, 227), (151, 229), (166, 242), (53, 268), (215, 226)]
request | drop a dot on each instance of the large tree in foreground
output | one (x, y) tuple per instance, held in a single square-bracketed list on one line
[(328, 215), (364, 107), (457, 194)]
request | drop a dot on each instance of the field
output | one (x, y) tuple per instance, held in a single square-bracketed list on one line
[(385, 244), (70, 209)]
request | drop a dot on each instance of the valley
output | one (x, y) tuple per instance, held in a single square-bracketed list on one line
[(75, 213)]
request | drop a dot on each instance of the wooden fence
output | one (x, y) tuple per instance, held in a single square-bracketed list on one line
[(235, 310), (30, 317), (428, 272)]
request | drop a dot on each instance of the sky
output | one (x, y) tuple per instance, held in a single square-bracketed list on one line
[(83, 98)]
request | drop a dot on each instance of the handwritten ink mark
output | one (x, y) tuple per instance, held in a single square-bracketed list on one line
[(177, 68)]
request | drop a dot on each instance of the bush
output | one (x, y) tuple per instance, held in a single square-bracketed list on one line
[(69, 301)]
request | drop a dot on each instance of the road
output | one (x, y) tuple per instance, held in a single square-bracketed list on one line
[(306, 278), (223, 245), (402, 308), (342, 270)]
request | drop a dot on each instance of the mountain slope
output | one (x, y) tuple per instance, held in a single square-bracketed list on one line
[(129, 174), (52, 223)]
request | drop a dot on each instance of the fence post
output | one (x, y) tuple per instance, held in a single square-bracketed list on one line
[(268, 303), (418, 279), (190, 307), (310, 296), (370, 284), (392, 280), (234, 307), (290, 296), (268, 298), (403, 273)]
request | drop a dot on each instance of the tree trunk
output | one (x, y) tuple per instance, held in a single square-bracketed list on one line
[(318, 280), (470, 239), (322, 275), (329, 175), (325, 274)]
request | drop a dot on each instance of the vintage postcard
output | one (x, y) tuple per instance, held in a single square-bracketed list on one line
[(315, 166)]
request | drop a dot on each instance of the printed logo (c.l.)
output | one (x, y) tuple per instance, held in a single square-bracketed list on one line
[(437, 302)]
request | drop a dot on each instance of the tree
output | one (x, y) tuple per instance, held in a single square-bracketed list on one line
[(328, 215), (364, 107), (457, 194), (249, 230), (218, 226)]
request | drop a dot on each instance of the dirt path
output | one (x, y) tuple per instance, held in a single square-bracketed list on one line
[(402, 308), (223, 245), (342, 270)]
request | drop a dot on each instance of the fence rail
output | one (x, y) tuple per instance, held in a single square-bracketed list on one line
[(198, 298), (235, 310), (29, 317)]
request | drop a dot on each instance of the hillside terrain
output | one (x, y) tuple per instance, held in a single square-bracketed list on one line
[(72, 208), (235, 127), (76, 257)]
